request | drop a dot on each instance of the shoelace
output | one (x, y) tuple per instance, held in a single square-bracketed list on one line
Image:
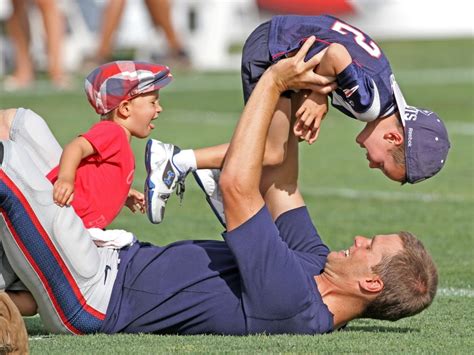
[(180, 188)]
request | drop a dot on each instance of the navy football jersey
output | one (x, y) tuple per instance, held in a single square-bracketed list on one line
[(364, 90)]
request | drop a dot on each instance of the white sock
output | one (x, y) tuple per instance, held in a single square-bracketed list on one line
[(185, 160)]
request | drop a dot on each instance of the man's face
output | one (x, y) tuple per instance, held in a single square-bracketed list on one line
[(378, 142), (365, 253)]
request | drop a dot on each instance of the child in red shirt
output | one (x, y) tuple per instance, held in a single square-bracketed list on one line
[(96, 169)]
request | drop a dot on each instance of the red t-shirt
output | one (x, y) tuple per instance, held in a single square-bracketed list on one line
[(103, 179)]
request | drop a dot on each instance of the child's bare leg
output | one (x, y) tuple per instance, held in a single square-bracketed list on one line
[(211, 157), (6, 119), (279, 184), (277, 138), (275, 148)]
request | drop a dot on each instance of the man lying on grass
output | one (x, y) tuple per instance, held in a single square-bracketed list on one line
[(272, 273)]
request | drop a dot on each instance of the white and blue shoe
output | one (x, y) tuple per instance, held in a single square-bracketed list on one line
[(208, 181), (163, 177)]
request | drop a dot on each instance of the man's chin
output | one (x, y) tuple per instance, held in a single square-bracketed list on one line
[(335, 255)]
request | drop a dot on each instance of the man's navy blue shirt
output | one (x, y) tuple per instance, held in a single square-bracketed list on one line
[(260, 279)]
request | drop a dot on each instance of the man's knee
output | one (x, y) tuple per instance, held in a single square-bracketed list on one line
[(6, 119)]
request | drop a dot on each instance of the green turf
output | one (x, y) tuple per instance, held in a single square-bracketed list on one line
[(344, 197)]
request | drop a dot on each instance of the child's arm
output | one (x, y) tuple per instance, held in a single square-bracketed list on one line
[(315, 105), (74, 152), (135, 201), (311, 112)]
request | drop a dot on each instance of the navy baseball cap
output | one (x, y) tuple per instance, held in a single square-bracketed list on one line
[(109, 84), (426, 139)]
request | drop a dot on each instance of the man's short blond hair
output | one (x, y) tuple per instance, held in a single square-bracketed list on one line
[(410, 281)]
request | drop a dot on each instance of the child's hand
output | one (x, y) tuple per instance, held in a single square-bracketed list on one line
[(309, 116), (63, 192), (135, 201)]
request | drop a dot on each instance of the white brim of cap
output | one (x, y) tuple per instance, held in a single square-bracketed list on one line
[(401, 103)]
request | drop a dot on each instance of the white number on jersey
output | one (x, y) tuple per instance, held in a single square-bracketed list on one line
[(359, 38)]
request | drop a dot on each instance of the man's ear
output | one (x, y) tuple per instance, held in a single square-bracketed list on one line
[(372, 284), (123, 109), (394, 137)]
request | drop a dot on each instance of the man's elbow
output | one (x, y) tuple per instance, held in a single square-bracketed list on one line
[(229, 185), (235, 188)]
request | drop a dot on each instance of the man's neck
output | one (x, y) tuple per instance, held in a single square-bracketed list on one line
[(343, 304)]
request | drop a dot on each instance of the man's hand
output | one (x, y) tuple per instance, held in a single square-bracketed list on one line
[(135, 201), (311, 112), (63, 192), (295, 73)]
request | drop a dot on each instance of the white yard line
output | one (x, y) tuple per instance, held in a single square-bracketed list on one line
[(433, 76), (415, 77), (202, 82), (460, 128), (384, 195), (455, 292), (230, 118), (353, 194)]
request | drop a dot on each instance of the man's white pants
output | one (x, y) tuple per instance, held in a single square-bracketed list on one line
[(47, 246)]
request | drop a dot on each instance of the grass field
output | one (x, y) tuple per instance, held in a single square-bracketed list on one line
[(344, 197)]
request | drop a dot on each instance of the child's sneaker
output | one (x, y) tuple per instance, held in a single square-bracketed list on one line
[(163, 177), (208, 181)]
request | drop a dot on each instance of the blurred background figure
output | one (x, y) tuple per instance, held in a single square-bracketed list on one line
[(308, 7), (74, 35), (18, 28), (160, 14)]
